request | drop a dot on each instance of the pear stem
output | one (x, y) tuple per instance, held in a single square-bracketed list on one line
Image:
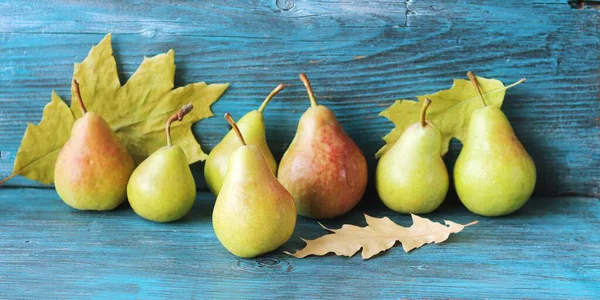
[(424, 111), (311, 94), (476, 85), (274, 92), (177, 117), (235, 128), (78, 94)]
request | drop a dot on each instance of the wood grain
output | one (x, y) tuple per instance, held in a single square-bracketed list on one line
[(359, 55), (548, 250)]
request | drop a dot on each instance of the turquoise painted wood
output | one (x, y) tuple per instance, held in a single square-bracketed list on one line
[(548, 250), (360, 56)]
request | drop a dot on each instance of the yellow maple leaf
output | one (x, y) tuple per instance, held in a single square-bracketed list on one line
[(136, 111), (450, 110), (379, 235)]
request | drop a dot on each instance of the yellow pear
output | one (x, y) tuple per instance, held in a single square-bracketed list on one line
[(254, 214), (252, 126), (162, 188), (494, 175), (411, 177)]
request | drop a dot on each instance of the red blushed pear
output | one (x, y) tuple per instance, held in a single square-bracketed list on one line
[(323, 168), (93, 168)]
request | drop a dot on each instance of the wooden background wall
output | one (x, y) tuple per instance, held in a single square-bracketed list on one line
[(360, 56)]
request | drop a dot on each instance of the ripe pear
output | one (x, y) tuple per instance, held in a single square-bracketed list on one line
[(93, 167), (162, 188), (252, 126), (412, 177), (254, 214), (494, 175), (323, 168)]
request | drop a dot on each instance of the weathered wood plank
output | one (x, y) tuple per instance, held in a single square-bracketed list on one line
[(360, 56), (548, 250)]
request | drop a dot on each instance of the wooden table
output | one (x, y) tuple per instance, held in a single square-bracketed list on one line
[(360, 56), (549, 250)]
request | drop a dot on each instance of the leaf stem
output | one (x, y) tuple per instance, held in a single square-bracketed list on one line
[(476, 85), (235, 128), (311, 94), (9, 177), (424, 111), (78, 95), (472, 223), (177, 117), (518, 82), (274, 92)]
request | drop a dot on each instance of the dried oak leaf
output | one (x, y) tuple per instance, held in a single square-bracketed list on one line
[(379, 235), (136, 111), (450, 110)]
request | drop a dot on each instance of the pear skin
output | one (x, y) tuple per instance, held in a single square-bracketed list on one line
[(493, 175), (93, 167), (412, 177), (323, 168), (162, 187), (252, 126), (253, 214)]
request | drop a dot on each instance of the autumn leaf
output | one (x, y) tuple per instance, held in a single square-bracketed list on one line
[(42, 143), (450, 110), (136, 111), (379, 235)]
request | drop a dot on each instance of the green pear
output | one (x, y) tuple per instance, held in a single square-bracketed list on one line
[(93, 167), (494, 175), (162, 188), (254, 214), (412, 177), (323, 168), (252, 126)]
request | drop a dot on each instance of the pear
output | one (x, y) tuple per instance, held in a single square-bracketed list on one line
[(254, 214), (93, 167), (162, 188), (494, 175), (252, 126), (323, 168), (412, 177)]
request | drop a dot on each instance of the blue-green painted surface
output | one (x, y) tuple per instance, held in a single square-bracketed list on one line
[(548, 250), (360, 57)]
